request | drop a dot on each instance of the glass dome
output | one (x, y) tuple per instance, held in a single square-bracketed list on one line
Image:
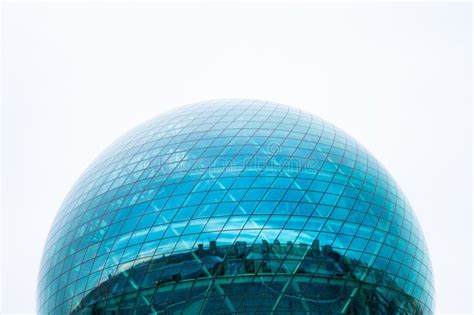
[(235, 206)]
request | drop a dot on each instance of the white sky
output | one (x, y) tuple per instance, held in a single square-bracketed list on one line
[(397, 77)]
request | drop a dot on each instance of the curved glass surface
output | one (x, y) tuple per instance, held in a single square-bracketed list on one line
[(235, 206)]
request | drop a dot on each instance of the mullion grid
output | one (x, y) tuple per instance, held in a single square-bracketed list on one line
[(146, 141)]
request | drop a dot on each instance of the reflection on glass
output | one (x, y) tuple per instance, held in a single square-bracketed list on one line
[(250, 278)]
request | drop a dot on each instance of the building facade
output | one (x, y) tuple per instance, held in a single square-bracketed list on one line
[(235, 206)]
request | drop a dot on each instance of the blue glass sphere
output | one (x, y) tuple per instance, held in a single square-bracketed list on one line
[(235, 206)]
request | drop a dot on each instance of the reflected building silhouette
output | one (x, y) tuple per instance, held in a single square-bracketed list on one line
[(290, 278)]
